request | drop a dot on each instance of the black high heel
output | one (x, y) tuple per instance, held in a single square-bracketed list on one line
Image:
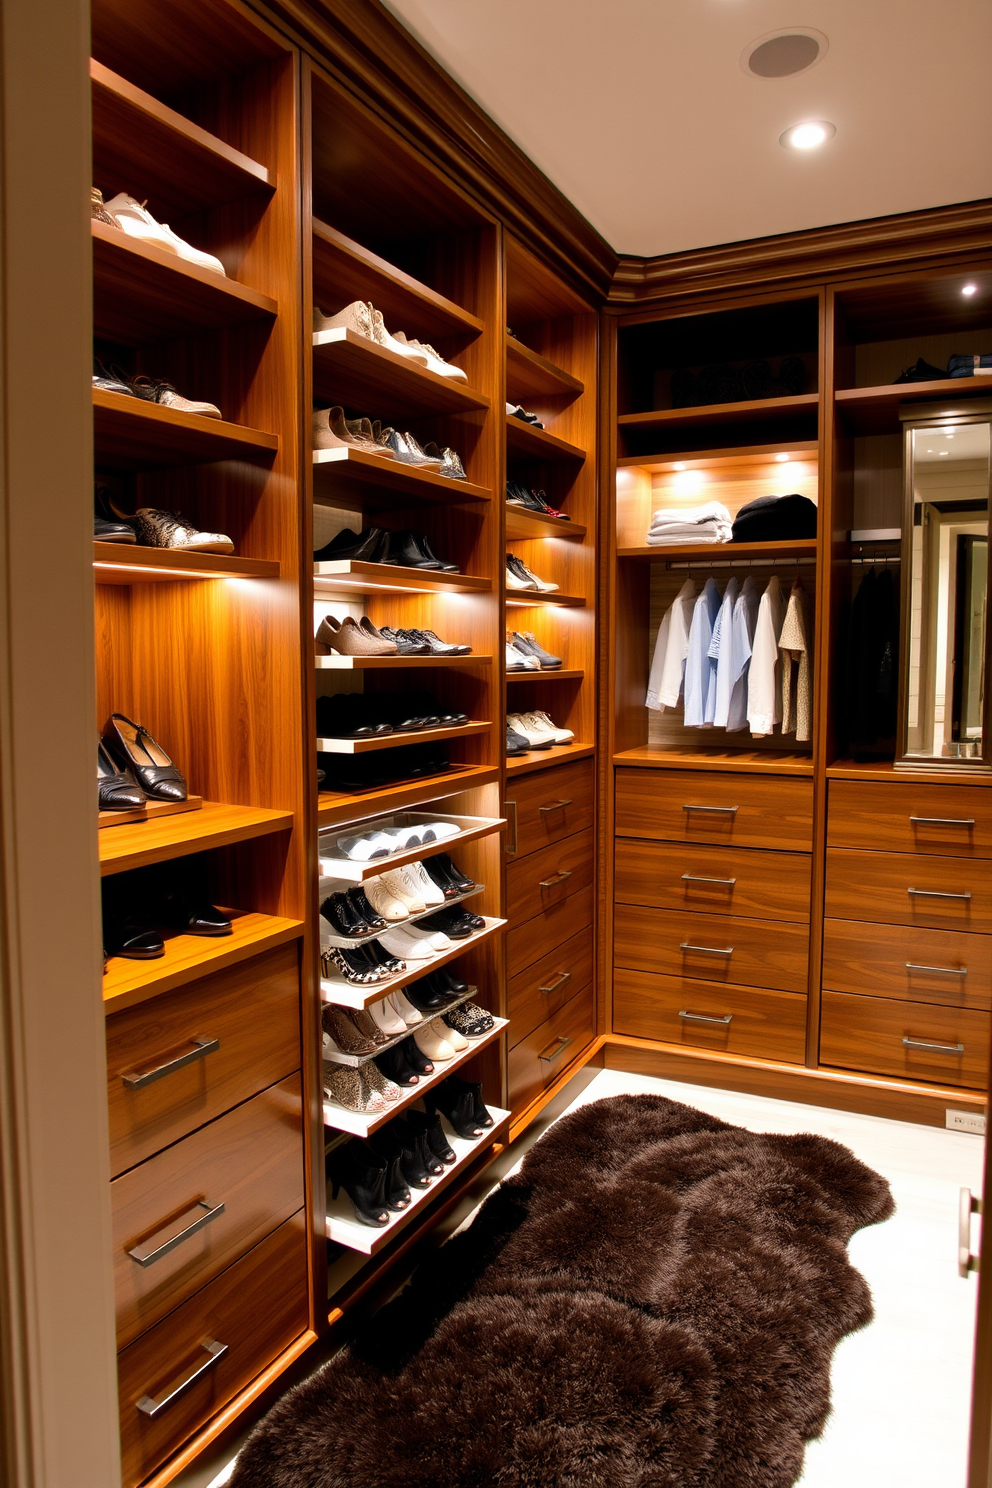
[(397, 1190), (392, 1063), (363, 909), (117, 790), (431, 1128), (341, 915), (415, 1056), (397, 1141), (455, 1100), (133, 747), (362, 1175)]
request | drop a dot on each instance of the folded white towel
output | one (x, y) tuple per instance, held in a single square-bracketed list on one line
[(704, 533), (711, 511)]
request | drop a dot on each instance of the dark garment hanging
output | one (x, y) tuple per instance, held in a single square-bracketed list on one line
[(873, 660), (775, 519)]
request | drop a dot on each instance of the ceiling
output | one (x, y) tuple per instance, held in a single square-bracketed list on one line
[(641, 113)]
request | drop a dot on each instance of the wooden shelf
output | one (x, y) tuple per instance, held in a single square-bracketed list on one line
[(524, 442), (352, 370), (759, 761), (338, 808), (716, 459), (142, 294), (523, 525), (352, 479), (721, 553), (552, 674), (879, 771), (135, 845), (399, 738), (130, 434), (875, 410), (527, 598), (339, 993), (180, 167), (350, 576), (350, 870), (529, 375), (393, 663), (344, 1229), (188, 957), (753, 411), (522, 764), (127, 563), (344, 271), (362, 1124)]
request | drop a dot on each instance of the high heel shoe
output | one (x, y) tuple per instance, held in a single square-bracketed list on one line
[(394, 1066), (474, 1087), (455, 1100), (431, 1128), (362, 1175), (341, 1025), (416, 1058), (132, 747), (397, 1191), (397, 1140), (376, 1080), (387, 1018), (335, 958), (117, 790), (347, 1087)]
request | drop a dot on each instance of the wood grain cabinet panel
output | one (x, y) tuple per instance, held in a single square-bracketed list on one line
[(909, 889), (949, 820), (870, 1033), (535, 884), (250, 1161), (538, 1060), (548, 984), (254, 1311), (250, 1012), (750, 1022), (700, 806), (712, 948), (942, 966), (713, 880), (551, 929), (550, 805)]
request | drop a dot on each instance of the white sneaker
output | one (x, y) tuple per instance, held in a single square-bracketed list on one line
[(434, 360), (562, 735), (399, 885), (364, 849), (387, 1018), (429, 891), (518, 661), (133, 218), (523, 723), (396, 344), (405, 947), (410, 1015), (355, 317), (539, 583), (382, 901), (513, 582)]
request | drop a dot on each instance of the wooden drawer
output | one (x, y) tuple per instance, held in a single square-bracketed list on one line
[(909, 889), (872, 960), (543, 936), (755, 1023), (255, 1310), (713, 880), (952, 820), (538, 1060), (708, 806), (547, 985), (549, 805), (749, 953), (537, 883), (251, 1012), (867, 1033), (250, 1160)]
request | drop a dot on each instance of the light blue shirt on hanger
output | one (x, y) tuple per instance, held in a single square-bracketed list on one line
[(700, 667)]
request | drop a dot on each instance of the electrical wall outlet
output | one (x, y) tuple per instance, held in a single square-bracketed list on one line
[(965, 1121)]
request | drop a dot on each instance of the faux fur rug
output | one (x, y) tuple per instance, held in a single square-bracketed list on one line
[(652, 1302)]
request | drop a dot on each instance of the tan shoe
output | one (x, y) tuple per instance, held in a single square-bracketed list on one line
[(331, 431), (355, 317), (347, 638)]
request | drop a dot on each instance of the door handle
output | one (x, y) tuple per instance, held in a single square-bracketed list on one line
[(556, 805), (967, 1206), (704, 1018), (723, 810), (935, 894), (560, 980), (153, 1408), (698, 878), (943, 970), (553, 1050), (135, 1080), (710, 950), (912, 1043), (943, 821), (559, 878), (146, 1257)]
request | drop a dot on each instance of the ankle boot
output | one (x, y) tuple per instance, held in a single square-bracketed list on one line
[(362, 1175), (431, 1128), (457, 1102), (397, 1141)]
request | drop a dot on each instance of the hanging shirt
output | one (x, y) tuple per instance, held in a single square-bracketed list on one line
[(720, 648), (668, 666), (738, 659), (764, 698), (700, 669), (795, 645)]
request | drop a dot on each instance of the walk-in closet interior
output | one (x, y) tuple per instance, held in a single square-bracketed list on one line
[(517, 664)]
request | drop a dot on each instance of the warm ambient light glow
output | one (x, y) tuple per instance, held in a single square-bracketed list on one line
[(781, 458), (808, 136), (969, 289), (679, 465)]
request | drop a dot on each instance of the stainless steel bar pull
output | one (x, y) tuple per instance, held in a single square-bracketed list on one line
[(942, 970), (559, 878), (556, 805), (710, 950), (912, 1043), (553, 1050), (943, 821), (511, 809), (147, 1257), (152, 1408), (137, 1080), (559, 981), (698, 878), (967, 1206), (726, 1020), (722, 810), (935, 894)]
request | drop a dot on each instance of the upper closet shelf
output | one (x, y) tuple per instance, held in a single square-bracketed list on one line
[(131, 434), (540, 759), (356, 372), (344, 271), (722, 554), (753, 411), (351, 576), (523, 525), (126, 563), (141, 294), (351, 479), (875, 410), (524, 442), (398, 738), (529, 375), (137, 844), (148, 150), (725, 457)]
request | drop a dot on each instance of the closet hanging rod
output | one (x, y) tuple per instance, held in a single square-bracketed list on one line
[(886, 560), (674, 563)]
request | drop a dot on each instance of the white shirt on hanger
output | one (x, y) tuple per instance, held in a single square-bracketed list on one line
[(720, 645), (670, 650), (795, 644), (764, 698), (738, 659), (700, 669)]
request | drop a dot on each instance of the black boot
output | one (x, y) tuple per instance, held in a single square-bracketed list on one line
[(455, 1100), (431, 1128), (362, 1175)]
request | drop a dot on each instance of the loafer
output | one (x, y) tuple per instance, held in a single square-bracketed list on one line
[(194, 916), (405, 551), (367, 546), (132, 937)]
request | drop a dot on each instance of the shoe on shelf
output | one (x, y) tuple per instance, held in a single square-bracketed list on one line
[(922, 371), (359, 1171), (365, 848), (517, 412), (543, 721), (98, 209), (348, 638), (430, 892), (405, 889), (356, 972), (468, 1020), (165, 529), (434, 870), (415, 1056), (405, 448), (431, 1128), (456, 1100), (397, 344), (409, 947), (367, 1026), (405, 641), (384, 901), (387, 1018), (428, 996), (132, 747), (431, 1043), (434, 360), (528, 577), (349, 715), (450, 1031), (132, 937), (392, 1064), (452, 872), (404, 549), (340, 1024), (436, 939), (154, 390), (436, 647), (538, 735), (358, 900), (451, 464), (332, 431), (405, 1009), (117, 789), (516, 743), (192, 916), (355, 317), (514, 580), (367, 546), (133, 218), (526, 642), (343, 919), (387, 1088), (455, 922), (445, 564), (520, 661)]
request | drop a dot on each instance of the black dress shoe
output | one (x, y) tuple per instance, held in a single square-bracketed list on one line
[(407, 642), (115, 532), (365, 547), (455, 875), (132, 747), (341, 915), (437, 875), (516, 743), (348, 715), (446, 979), (424, 544), (195, 916), (436, 647), (359, 902), (132, 937), (404, 550), (117, 790), (427, 706), (425, 996)]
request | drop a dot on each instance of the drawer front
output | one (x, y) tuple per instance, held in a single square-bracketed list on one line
[(256, 1309), (909, 889), (707, 806), (713, 880), (550, 805), (248, 1019), (868, 1033), (538, 1060), (543, 936), (712, 948), (547, 985), (950, 820), (537, 883), (747, 1021), (943, 966), (250, 1160)]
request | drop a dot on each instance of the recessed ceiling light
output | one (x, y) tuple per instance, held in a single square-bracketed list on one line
[(807, 136), (679, 465), (781, 457), (969, 289), (943, 454), (780, 54)]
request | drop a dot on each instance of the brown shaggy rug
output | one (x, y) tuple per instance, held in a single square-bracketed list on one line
[(652, 1302)]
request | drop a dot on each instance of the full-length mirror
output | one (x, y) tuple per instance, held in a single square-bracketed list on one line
[(945, 698)]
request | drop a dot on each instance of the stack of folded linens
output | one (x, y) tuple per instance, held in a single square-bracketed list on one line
[(710, 523)]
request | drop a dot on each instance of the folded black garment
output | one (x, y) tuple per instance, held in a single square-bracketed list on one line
[(775, 518)]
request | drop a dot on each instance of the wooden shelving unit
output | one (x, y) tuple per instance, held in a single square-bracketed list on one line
[(398, 663), (338, 808), (398, 737), (529, 375), (356, 481), (129, 563), (130, 434), (351, 576), (875, 410), (137, 844), (755, 410), (722, 553), (770, 761), (523, 525), (528, 598), (526, 442), (560, 674), (351, 870), (543, 759), (350, 367), (346, 994)]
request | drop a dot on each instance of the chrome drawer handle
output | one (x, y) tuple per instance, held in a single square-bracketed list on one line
[(146, 1257), (710, 950), (153, 1408), (561, 979), (556, 805), (935, 1048), (943, 970), (702, 1018), (935, 894), (698, 878), (967, 1206), (512, 805), (201, 1048), (724, 810), (559, 878), (551, 1053), (943, 821)]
